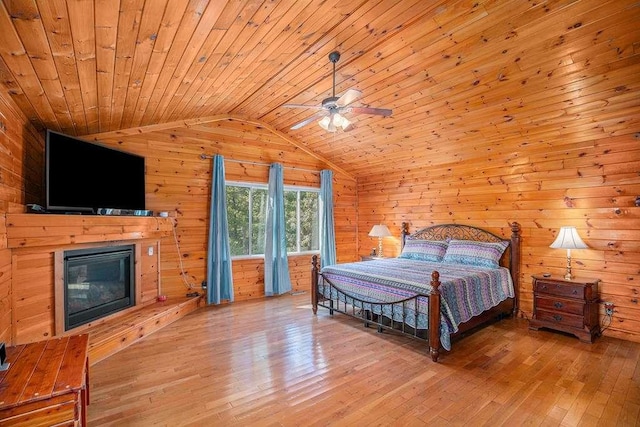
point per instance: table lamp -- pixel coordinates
(568, 239)
(380, 231)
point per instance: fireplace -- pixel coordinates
(97, 282)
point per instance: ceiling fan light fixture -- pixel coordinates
(334, 122)
(324, 123)
(341, 121)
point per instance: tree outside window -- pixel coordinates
(247, 215)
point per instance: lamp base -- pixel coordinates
(568, 276)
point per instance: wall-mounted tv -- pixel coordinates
(84, 177)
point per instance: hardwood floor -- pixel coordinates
(273, 362)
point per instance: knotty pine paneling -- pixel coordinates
(149, 267)
(5, 293)
(588, 184)
(21, 155)
(179, 182)
(33, 296)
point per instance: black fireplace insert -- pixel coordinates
(97, 282)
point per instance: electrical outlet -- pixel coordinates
(608, 308)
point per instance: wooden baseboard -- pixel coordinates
(114, 335)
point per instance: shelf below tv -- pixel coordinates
(124, 212)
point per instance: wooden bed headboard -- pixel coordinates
(510, 258)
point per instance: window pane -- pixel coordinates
(259, 199)
(247, 214)
(238, 218)
(291, 220)
(309, 218)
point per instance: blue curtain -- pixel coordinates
(276, 263)
(219, 277)
(327, 229)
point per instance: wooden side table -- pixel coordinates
(47, 383)
(566, 305)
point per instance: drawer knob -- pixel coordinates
(557, 317)
(558, 304)
(543, 287)
(575, 292)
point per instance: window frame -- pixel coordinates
(298, 189)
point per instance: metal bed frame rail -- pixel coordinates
(391, 315)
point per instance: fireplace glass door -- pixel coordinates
(98, 282)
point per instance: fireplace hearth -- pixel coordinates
(97, 282)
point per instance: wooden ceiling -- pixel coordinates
(464, 78)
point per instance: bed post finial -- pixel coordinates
(404, 232)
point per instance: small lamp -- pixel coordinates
(568, 239)
(380, 231)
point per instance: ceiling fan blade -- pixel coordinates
(314, 107)
(308, 120)
(348, 97)
(365, 110)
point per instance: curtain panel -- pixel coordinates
(276, 262)
(219, 277)
(327, 228)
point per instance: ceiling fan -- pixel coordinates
(332, 110)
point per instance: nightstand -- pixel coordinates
(369, 257)
(566, 305)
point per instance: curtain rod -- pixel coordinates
(205, 156)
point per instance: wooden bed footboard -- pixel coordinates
(329, 296)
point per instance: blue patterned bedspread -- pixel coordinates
(466, 290)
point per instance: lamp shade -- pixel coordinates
(568, 238)
(379, 230)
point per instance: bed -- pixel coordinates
(447, 280)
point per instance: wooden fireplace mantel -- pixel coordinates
(41, 230)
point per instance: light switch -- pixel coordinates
(150, 251)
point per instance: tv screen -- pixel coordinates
(81, 176)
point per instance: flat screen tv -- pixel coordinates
(84, 177)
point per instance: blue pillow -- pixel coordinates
(481, 254)
(424, 250)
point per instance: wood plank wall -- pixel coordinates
(21, 154)
(590, 184)
(179, 182)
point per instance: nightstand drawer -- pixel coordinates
(560, 289)
(558, 318)
(560, 305)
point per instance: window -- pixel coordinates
(247, 216)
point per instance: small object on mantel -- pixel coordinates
(193, 294)
(162, 298)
